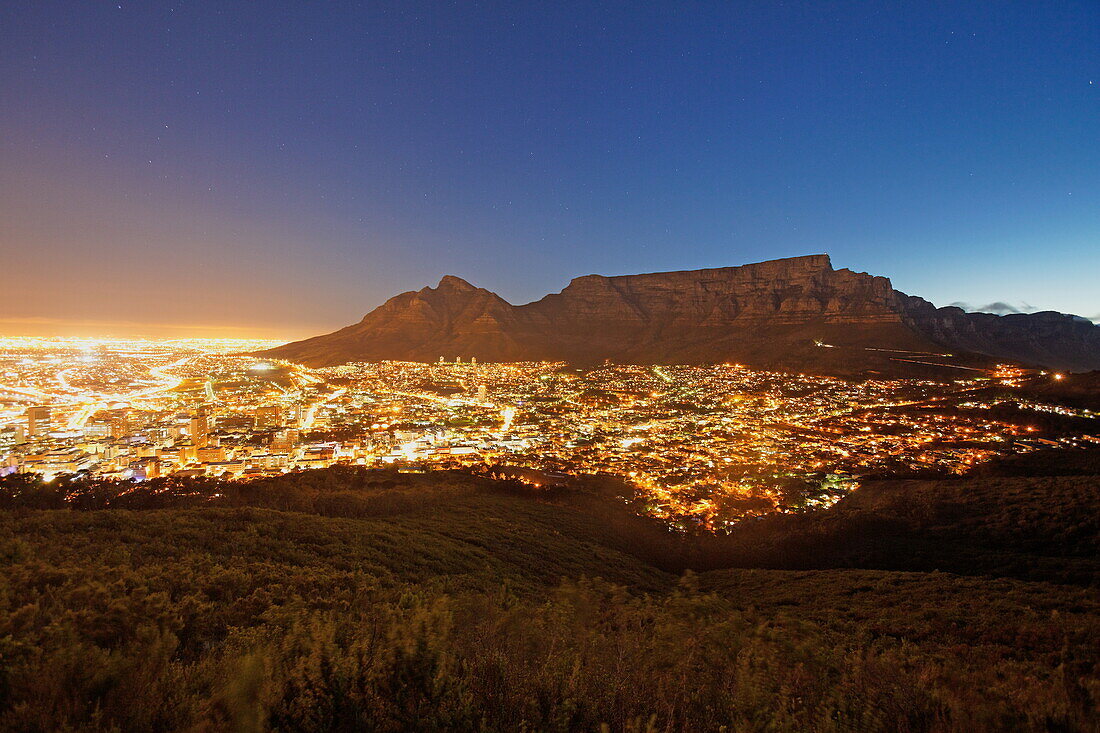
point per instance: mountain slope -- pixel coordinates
(473, 606)
(768, 314)
(1047, 339)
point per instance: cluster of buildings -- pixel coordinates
(711, 444)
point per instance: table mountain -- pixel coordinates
(796, 313)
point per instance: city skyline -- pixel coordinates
(275, 172)
(707, 445)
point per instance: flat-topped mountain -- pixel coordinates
(795, 313)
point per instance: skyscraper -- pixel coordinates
(269, 416)
(38, 420)
(120, 424)
(200, 428)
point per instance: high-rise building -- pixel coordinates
(284, 440)
(200, 428)
(10, 437)
(38, 420)
(294, 414)
(269, 416)
(482, 393)
(120, 424)
(208, 389)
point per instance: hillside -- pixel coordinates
(417, 602)
(774, 314)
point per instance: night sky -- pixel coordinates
(280, 169)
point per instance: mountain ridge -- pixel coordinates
(772, 314)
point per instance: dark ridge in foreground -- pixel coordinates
(776, 314)
(355, 599)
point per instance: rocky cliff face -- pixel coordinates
(769, 314)
(1054, 340)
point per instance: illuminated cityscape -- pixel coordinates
(648, 367)
(706, 445)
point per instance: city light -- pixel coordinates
(709, 444)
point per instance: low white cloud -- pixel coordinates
(1000, 307)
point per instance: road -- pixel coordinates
(310, 416)
(88, 408)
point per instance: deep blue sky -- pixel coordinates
(291, 165)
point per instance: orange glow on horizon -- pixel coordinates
(55, 328)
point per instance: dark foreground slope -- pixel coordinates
(447, 602)
(773, 314)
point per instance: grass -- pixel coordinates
(402, 602)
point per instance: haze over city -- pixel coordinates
(274, 172)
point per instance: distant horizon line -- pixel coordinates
(62, 328)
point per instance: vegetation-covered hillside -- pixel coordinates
(364, 600)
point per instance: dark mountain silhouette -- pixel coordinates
(782, 314)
